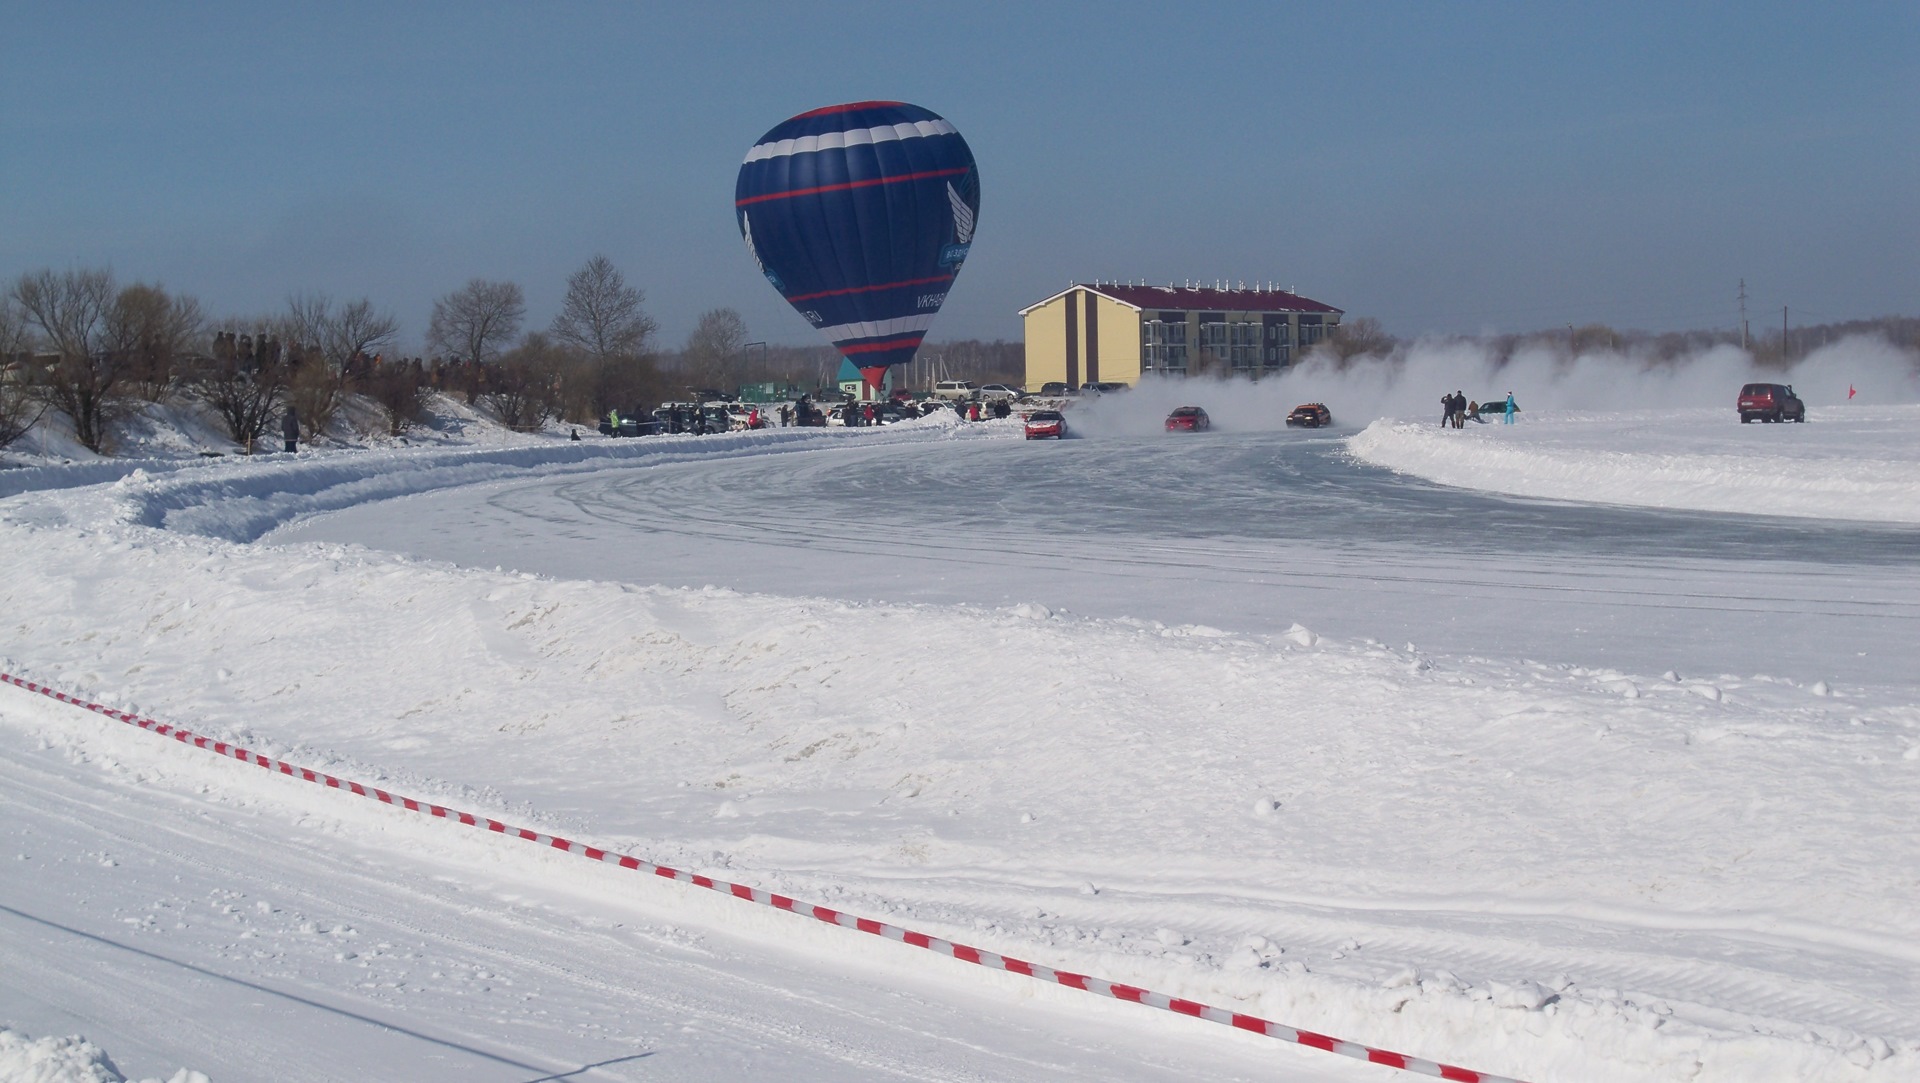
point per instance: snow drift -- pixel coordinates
(1536, 869)
(1844, 463)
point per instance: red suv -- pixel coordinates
(1770, 402)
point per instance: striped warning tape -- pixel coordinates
(961, 952)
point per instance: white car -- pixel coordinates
(999, 391)
(954, 389)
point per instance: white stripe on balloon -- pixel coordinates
(885, 133)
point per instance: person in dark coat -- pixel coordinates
(290, 428)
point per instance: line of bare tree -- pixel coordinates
(77, 343)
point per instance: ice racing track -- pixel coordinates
(1250, 532)
(397, 952)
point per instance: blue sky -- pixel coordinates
(1443, 167)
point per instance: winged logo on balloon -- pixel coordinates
(861, 215)
(962, 217)
(746, 230)
(955, 254)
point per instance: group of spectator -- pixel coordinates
(1456, 410)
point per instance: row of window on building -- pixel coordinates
(1245, 346)
(1119, 332)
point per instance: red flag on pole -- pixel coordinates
(1849, 392)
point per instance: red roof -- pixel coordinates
(1212, 300)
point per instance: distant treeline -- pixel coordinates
(78, 344)
(84, 347)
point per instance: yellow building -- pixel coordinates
(1114, 333)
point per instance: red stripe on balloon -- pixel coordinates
(903, 283)
(869, 183)
(877, 347)
(829, 110)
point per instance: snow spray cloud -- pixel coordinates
(1409, 383)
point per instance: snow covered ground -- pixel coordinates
(1844, 463)
(1637, 806)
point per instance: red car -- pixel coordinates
(1044, 423)
(1770, 402)
(1311, 415)
(1188, 419)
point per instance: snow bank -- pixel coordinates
(1296, 825)
(1860, 463)
(66, 1060)
(1544, 870)
(241, 499)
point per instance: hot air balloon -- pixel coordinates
(861, 215)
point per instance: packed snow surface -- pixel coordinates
(1843, 463)
(1637, 806)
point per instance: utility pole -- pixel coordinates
(1743, 313)
(1783, 332)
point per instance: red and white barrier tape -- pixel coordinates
(948, 948)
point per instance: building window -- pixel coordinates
(1213, 338)
(1163, 345)
(1279, 350)
(1243, 347)
(1311, 330)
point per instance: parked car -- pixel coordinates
(954, 389)
(1103, 387)
(1493, 407)
(1770, 402)
(1044, 423)
(1188, 419)
(1055, 389)
(1310, 415)
(999, 391)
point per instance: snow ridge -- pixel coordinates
(1843, 463)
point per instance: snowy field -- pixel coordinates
(1844, 463)
(1558, 790)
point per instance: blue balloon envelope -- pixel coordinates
(861, 215)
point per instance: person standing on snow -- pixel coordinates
(1511, 408)
(290, 428)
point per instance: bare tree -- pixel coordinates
(713, 349)
(20, 408)
(148, 331)
(1362, 336)
(626, 383)
(526, 385)
(70, 310)
(603, 317)
(476, 321)
(15, 338)
(246, 395)
(353, 330)
(344, 339)
(401, 391)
